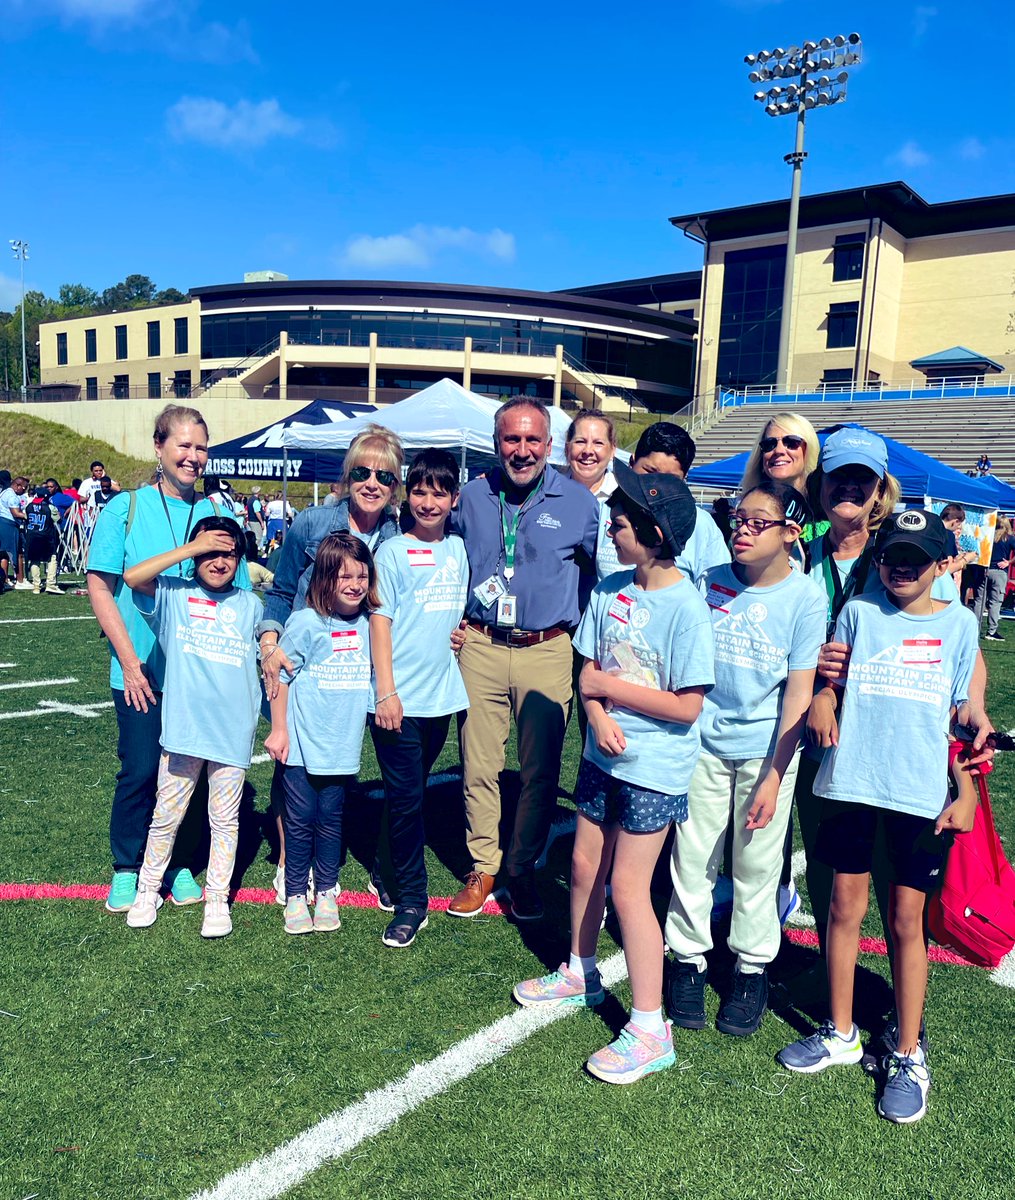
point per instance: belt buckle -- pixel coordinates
(518, 637)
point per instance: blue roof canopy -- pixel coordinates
(957, 356)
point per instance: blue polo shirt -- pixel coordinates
(558, 527)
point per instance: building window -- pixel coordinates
(61, 349)
(154, 385)
(154, 339)
(182, 336)
(91, 354)
(847, 257)
(121, 341)
(842, 320)
(121, 386)
(751, 316)
(181, 384)
(91, 385)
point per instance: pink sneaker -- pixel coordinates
(561, 988)
(633, 1055)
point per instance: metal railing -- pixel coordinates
(611, 390)
(882, 390)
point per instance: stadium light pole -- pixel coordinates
(800, 64)
(20, 249)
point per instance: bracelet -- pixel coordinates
(387, 697)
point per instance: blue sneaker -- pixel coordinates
(826, 1048)
(184, 889)
(122, 891)
(904, 1099)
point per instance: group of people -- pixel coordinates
(693, 664)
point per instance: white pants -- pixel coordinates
(720, 796)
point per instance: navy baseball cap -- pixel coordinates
(915, 527)
(665, 498)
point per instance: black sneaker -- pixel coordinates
(404, 926)
(376, 888)
(525, 902)
(744, 1007)
(994, 637)
(685, 995)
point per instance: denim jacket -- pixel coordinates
(288, 594)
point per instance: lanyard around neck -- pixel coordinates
(837, 592)
(509, 527)
(172, 531)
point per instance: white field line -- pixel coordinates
(48, 708)
(35, 683)
(41, 620)
(346, 1129)
(7, 666)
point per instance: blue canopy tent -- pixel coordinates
(260, 455)
(921, 477)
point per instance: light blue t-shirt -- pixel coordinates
(328, 690)
(661, 639)
(113, 549)
(211, 696)
(704, 549)
(10, 499)
(905, 673)
(423, 586)
(761, 634)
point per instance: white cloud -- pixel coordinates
(419, 246)
(910, 155)
(922, 16)
(972, 148)
(243, 125)
(10, 293)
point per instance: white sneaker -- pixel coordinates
(53, 590)
(279, 885)
(23, 586)
(217, 921)
(144, 910)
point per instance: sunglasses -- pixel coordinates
(903, 558)
(790, 441)
(362, 474)
(755, 525)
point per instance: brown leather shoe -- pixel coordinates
(470, 900)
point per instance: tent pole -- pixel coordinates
(316, 500)
(285, 480)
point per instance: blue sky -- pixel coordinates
(532, 146)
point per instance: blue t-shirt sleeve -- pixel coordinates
(692, 657)
(809, 634)
(969, 648)
(294, 645)
(388, 583)
(109, 539)
(586, 640)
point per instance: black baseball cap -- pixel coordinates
(665, 498)
(915, 527)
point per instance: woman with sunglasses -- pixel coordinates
(787, 452)
(371, 489)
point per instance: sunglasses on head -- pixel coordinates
(790, 441)
(362, 474)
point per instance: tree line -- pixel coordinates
(73, 300)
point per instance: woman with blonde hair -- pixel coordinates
(993, 584)
(787, 451)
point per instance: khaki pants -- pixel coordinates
(533, 684)
(720, 796)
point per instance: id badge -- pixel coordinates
(490, 590)
(506, 616)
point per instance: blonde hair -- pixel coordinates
(889, 494)
(378, 443)
(175, 414)
(791, 423)
(1002, 528)
(590, 414)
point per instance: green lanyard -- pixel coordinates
(509, 530)
(855, 581)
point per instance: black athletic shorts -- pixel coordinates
(916, 855)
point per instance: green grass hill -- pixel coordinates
(36, 448)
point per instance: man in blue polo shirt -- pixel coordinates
(528, 533)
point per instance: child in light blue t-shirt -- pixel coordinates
(210, 705)
(768, 621)
(648, 646)
(422, 580)
(885, 775)
(317, 722)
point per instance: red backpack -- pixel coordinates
(974, 912)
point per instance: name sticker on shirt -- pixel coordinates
(344, 639)
(921, 652)
(201, 609)
(719, 597)
(423, 557)
(620, 609)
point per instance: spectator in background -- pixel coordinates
(983, 465)
(962, 547)
(60, 500)
(99, 498)
(256, 523)
(91, 484)
(12, 520)
(333, 496)
(42, 541)
(994, 583)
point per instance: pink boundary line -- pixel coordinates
(98, 891)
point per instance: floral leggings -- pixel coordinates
(178, 776)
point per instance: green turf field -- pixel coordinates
(152, 1064)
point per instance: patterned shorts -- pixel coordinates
(609, 801)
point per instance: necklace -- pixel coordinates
(169, 521)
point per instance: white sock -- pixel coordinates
(917, 1056)
(651, 1022)
(848, 1035)
(582, 966)
(750, 968)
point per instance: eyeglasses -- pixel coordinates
(755, 525)
(362, 474)
(790, 441)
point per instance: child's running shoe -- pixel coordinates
(122, 891)
(874, 1060)
(278, 883)
(184, 889)
(635, 1054)
(297, 916)
(326, 918)
(559, 989)
(145, 909)
(403, 927)
(826, 1048)
(904, 1098)
(217, 921)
